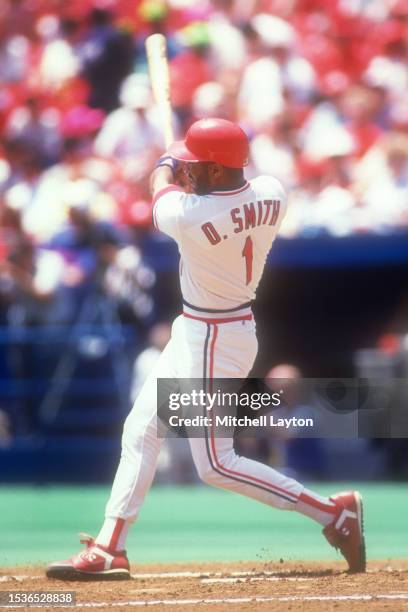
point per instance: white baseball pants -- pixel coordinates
(200, 347)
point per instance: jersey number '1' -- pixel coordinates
(248, 253)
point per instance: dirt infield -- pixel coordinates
(232, 587)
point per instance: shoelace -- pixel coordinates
(89, 541)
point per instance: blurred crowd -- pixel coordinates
(319, 86)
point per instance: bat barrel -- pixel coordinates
(156, 49)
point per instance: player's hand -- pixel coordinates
(179, 170)
(183, 178)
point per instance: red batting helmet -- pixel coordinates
(213, 140)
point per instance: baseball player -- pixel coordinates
(224, 230)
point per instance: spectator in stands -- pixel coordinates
(30, 280)
(361, 108)
(81, 237)
(302, 199)
(36, 130)
(66, 180)
(106, 56)
(383, 177)
(126, 279)
(158, 337)
(211, 99)
(133, 129)
(273, 150)
(261, 95)
(14, 55)
(30, 289)
(21, 185)
(189, 69)
(303, 456)
(59, 61)
(387, 69)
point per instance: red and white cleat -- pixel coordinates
(346, 532)
(94, 563)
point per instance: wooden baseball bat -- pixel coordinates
(156, 49)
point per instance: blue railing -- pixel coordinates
(57, 372)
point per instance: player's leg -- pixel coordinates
(104, 557)
(228, 351)
(141, 446)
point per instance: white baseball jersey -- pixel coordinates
(223, 239)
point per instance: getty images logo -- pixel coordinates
(209, 400)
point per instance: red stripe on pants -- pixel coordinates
(218, 464)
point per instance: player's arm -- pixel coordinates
(167, 196)
(163, 176)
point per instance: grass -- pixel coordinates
(193, 523)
